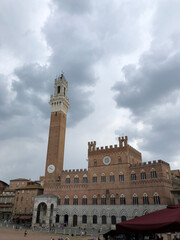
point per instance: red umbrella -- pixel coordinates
(165, 220)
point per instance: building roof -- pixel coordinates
(20, 179)
(4, 183)
(30, 187)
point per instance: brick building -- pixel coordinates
(7, 198)
(24, 201)
(117, 185)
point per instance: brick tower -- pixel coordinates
(55, 153)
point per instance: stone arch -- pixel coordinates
(145, 212)
(66, 211)
(135, 213)
(41, 213)
(84, 212)
(103, 212)
(94, 212)
(123, 213)
(113, 213)
(74, 212)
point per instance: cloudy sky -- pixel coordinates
(122, 63)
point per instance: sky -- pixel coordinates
(122, 63)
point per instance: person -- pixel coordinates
(25, 233)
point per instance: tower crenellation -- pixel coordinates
(59, 101)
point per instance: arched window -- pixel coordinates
(135, 199)
(66, 200)
(94, 219)
(68, 179)
(111, 177)
(103, 178)
(113, 220)
(121, 177)
(94, 200)
(76, 179)
(123, 218)
(85, 179)
(122, 199)
(156, 199)
(103, 200)
(84, 200)
(143, 175)
(104, 219)
(84, 219)
(75, 200)
(133, 176)
(94, 179)
(145, 199)
(112, 200)
(119, 160)
(153, 173)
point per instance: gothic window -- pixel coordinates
(135, 199)
(133, 176)
(104, 221)
(68, 180)
(112, 200)
(143, 175)
(122, 199)
(76, 179)
(75, 200)
(121, 177)
(103, 200)
(94, 200)
(113, 220)
(111, 178)
(119, 160)
(153, 173)
(84, 200)
(84, 219)
(156, 199)
(85, 180)
(94, 179)
(145, 199)
(66, 200)
(103, 178)
(94, 219)
(95, 163)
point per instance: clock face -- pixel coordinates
(106, 160)
(51, 168)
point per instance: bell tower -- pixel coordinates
(59, 104)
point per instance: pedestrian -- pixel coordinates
(25, 233)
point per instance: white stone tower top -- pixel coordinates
(59, 102)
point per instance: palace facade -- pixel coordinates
(117, 185)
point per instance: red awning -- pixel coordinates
(165, 220)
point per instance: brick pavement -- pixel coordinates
(12, 234)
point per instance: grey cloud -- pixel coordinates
(74, 7)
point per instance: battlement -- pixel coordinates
(75, 171)
(149, 163)
(123, 143)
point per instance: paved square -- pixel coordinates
(12, 234)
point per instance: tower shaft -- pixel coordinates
(55, 153)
